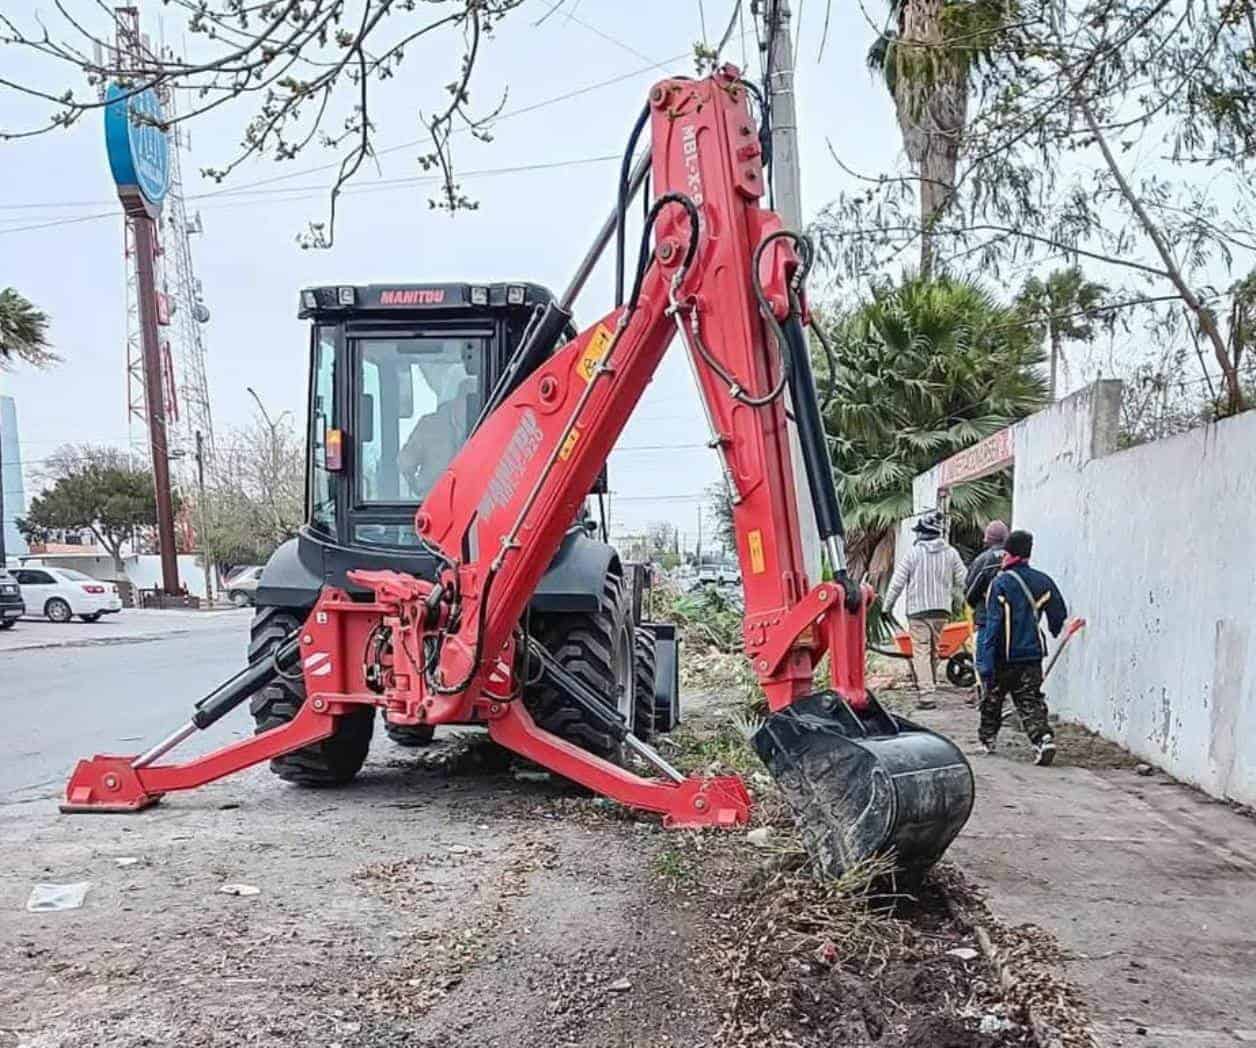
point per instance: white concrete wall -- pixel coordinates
(142, 570)
(1161, 559)
(145, 572)
(1156, 547)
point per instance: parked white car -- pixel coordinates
(62, 593)
(241, 587)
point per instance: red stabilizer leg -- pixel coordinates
(107, 785)
(110, 784)
(693, 803)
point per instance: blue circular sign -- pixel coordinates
(139, 153)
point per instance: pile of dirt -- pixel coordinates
(854, 962)
(808, 963)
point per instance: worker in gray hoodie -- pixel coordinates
(932, 573)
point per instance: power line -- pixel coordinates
(696, 497)
(294, 194)
(508, 114)
(571, 17)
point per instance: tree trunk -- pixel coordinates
(1204, 316)
(931, 103)
(1055, 363)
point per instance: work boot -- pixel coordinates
(1044, 750)
(987, 746)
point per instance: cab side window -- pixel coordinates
(321, 495)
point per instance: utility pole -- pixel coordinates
(200, 484)
(787, 201)
(786, 181)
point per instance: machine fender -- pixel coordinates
(666, 675)
(576, 576)
(288, 581)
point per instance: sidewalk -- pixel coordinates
(1149, 885)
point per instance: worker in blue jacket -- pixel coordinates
(1011, 647)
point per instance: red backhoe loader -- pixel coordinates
(456, 648)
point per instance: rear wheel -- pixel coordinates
(58, 610)
(239, 598)
(644, 671)
(598, 647)
(336, 759)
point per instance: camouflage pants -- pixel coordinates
(1023, 682)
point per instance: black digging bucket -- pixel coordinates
(866, 783)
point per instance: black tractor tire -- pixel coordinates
(410, 735)
(591, 645)
(644, 669)
(336, 759)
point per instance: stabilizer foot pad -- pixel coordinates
(106, 785)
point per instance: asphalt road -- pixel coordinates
(121, 695)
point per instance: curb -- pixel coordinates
(95, 642)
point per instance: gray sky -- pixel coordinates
(533, 225)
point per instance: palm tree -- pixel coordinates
(922, 370)
(23, 331)
(1066, 307)
(23, 336)
(927, 54)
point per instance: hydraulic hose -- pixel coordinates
(621, 213)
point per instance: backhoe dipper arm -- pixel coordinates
(719, 265)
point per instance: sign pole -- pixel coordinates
(145, 247)
(139, 160)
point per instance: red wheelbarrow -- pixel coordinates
(954, 646)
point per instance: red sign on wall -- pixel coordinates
(988, 456)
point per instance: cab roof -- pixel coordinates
(340, 299)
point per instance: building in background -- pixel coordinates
(14, 500)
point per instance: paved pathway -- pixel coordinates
(1149, 885)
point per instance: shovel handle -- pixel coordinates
(1070, 627)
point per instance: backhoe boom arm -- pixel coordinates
(720, 273)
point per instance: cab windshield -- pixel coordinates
(417, 401)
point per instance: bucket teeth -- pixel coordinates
(864, 785)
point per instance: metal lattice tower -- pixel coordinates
(181, 308)
(189, 314)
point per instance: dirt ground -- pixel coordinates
(423, 907)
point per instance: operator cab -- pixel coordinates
(400, 373)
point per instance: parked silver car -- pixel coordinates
(241, 586)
